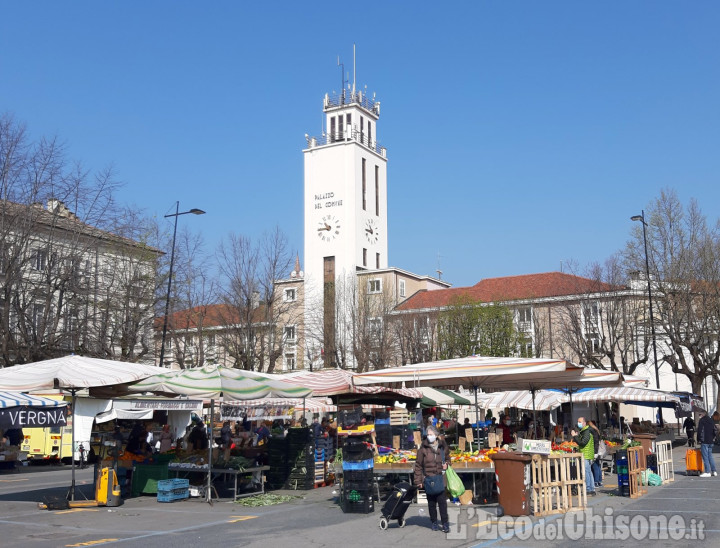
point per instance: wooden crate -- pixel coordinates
(547, 487)
(636, 466)
(399, 418)
(572, 474)
(666, 469)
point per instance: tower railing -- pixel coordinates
(349, 134)
(349, 98)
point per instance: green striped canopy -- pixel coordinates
(215, 381)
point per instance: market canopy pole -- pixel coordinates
(208, 496)
(71, 492)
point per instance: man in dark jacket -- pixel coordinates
(432, 459)
(706, 437)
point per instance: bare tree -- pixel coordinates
(56, 241)
(684, 257)
(260, 324)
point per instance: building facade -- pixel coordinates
(68, 287)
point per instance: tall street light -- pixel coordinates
(641, 218)
(172, 262)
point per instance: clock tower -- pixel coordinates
(345, 209)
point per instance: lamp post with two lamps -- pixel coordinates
(641, 218)
(170, 274)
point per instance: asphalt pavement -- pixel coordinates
(675, 514)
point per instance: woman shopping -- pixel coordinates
(432, 461)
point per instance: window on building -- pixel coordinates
(289, 333)
(377, 260)
(591, 312)
(401, 288)
(341, 132)
(290, 362)
(375, 328)
(348, 123)
(364, 187)
(593, 343)
(365, 257)
(369, 133)
(332, 129)
(524, 315)
(40, 260)
(38, 311)
(362, 129)
(375, 286)
(290, 295)
(377, 191)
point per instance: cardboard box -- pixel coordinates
(540, 447)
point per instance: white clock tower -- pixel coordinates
(345, 204)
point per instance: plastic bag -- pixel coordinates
(454, 484)
(654, 479)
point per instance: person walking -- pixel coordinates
(689, 426)
(706, 437)
(584, 439)
(432, 459)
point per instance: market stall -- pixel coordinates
(72, 374)
(219, 383)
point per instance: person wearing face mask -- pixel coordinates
(507, 431)
(586, 443)
(432, 459)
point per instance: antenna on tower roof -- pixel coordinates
(342, 79)
(439, 272)
(354, 73)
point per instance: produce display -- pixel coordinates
(630, 443)
(564, 447)
(397, 456)
(482, 455)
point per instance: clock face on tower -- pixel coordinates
(328, 228)
(371, 231)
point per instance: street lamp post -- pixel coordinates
(170, 274)
(641, 218)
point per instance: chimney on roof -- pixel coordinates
(60, 209)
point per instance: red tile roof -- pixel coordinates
(211, 315)
(509, 288)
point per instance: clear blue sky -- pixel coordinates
(519, 134)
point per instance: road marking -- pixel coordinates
(240, 518)
(74, 510)
(92, 542)
(12, 480)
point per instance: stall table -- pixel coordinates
(224, 473)
(402, 468)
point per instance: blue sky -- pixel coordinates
(520, 134)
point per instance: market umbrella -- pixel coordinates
(73, 373)
(18, 410)
(218, 382)
(479, 372)
(439, 397)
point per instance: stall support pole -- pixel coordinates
(71, 493)
(208, 497)
(477, 418)
(532, 392)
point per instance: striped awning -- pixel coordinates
(479, 371)
(18, 399)
(335, 382)
(214, 381)
(624, 394)
(545, 400)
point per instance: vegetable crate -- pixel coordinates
(636, 466)
(666, 468)
(399, 418)
(171, 490)
(572, 475)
